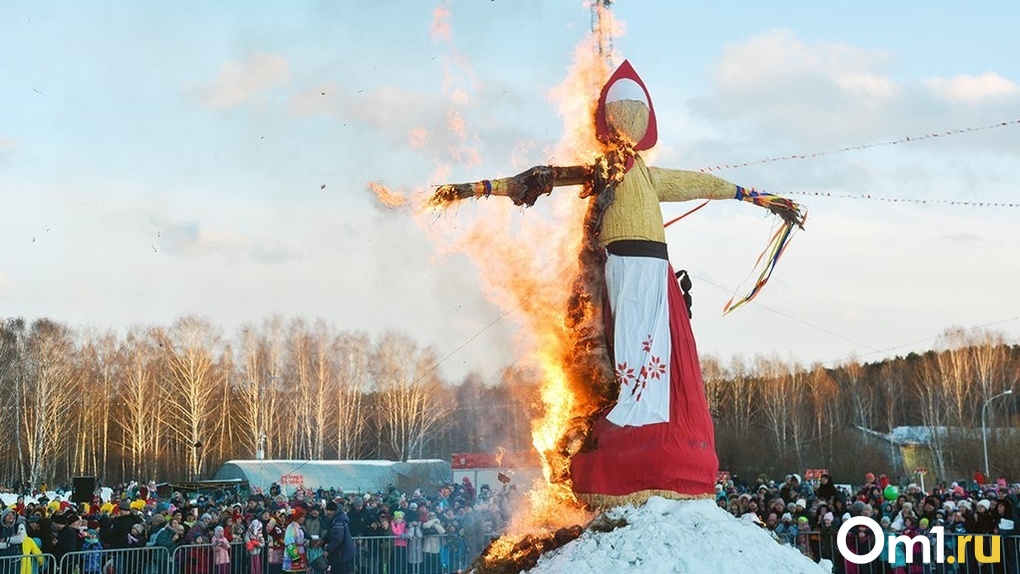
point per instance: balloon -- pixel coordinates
(891, 492)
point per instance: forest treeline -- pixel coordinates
(174, 402)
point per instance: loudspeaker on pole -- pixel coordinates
(84, 487)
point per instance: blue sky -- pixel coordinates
(160, 159)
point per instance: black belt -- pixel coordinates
(638, 248)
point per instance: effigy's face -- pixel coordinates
(624, 115)
(627, 119)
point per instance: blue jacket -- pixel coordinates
(339, 542)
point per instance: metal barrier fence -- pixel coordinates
(976, 557)
(141, 560)
(33, 563)
(434, 554)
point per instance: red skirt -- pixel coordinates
(677, 456)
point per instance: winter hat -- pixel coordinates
(984, 502)
(801, 503)
(90, 533)
(398, 515)
(158, 520)
(923, 523)
(869, 477)
(802, 520)
(828, 517)
(218, 531)
(787, 517)
(846, 516)
(331, 506)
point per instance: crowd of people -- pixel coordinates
(808, 515)
(393, 532)
(226, 533)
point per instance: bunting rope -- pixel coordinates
(907, 139)
(869, 197)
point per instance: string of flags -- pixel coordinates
(907, 139)
(868, 196)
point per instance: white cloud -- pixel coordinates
(192, 240)
(987, 87)
(244, 80)
(774, 58)
(817, 94)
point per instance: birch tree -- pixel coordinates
(50, 396)
(408, 388)
(12, 375)
(194, 374)
(352, 380)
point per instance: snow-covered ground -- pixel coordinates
(9, 498)
(684, 537)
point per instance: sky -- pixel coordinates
(165, 159)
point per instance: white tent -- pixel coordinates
(346, 475)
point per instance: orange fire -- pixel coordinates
(528, 263)
(386, 196)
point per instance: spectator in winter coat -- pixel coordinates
(433, 531)
(339, 547)
(360, 517)
(787, 529)
(12, 535)
(274, 545)
(253, 543)
(414, 541)
(826, 490)
(982, 521)
(66, 538)
(398, 528)
(92, 562)
(33, 559)
(295, 556)
(220, 551)
(200, 528)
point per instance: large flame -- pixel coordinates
(528, 264)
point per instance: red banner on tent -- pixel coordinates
(814, 473)
(293, 479)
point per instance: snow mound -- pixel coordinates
(680, 537)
